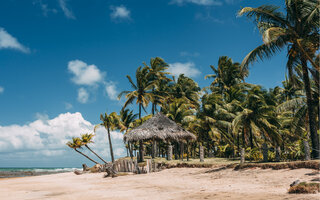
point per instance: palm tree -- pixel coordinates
(179, 111)
(141, 94)
(109, 122)
(226, 75)
(298, 29)
(87, 139)
(141, 90)
(157, 75)
(76, 144)
(257, 119)
(184, 88)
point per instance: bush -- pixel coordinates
(253, 154)
(305, 188)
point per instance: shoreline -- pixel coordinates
(174, 183)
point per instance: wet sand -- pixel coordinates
(176, 183)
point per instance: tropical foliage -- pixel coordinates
(231, 115)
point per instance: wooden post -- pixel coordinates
(154, 148)
(265, 152)
(278, 154)
(141, 151)
(242, 155)
(201, 153)
(187, 150)
(169, 151)
(181, 150)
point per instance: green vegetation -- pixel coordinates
(230, 115)
(305, 188)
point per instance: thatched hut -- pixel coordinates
(159, 127)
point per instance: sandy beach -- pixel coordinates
(176, 183)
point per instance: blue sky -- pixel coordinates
(62, 62)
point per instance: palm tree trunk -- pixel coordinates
(95, 153)
(86, 156)
(251, 139)
(154, 148)
(110, 145)
(201, 153)
(181, 150)
(311, 110)
(140, 111)
(141, 153)
(187, 150)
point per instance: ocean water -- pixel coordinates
(21, 172)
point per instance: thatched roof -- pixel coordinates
(158, 127)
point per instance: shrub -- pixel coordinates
(305, 188)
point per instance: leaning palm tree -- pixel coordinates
(76, 144)
(87, 139)
(109, 122)
(297, 29)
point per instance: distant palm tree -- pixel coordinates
(226, 75)
(297, 29)
(110, 122)
(76, 144)
(184, 88)
(87, 139)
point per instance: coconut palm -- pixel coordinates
(141, 90)
(257, 119)
(76, 144)
(141, 94)
(226, 75)
(297, 29)
(110, 122)
(184, 88)
(179, 111)
(157, 75)
(86, 139)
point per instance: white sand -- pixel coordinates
(177, 183)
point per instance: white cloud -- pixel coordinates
(120, 12)
(68, 106)
(187, 69)
(44, 7)
(49, 137)
(198, 2)
(42, 116)
(67, 12)
(7, 41)
(1, 90)
(112, 91)
(83, 95)
(85, 74)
